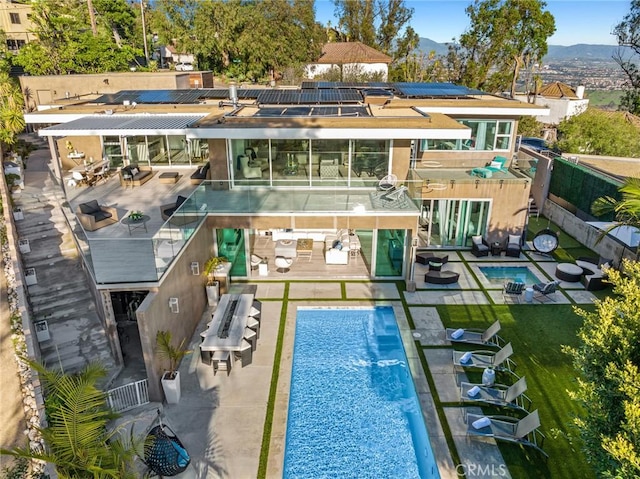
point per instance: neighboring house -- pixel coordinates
(16, 23)
(350, 58)
(283, 165)
(562, 100)
(172, 57)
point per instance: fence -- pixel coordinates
(128, 396)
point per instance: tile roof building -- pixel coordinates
(351, 58)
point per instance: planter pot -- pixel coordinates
(213, 293)
(30, 277)
(171, 388)
(17, 214)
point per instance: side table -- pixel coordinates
(496, 249)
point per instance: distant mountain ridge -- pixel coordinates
(580, 51)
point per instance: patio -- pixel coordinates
(225, 437)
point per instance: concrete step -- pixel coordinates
(67, 292)
(41, 291)
(63, 304)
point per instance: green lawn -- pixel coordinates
(605, 98)
(537, 334)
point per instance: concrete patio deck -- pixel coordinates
(221, 418)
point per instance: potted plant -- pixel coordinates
(171, 378)
(214, 263)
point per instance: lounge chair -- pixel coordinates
(497, 164)
(513, 246)
(479, 246)
(498, 360)
(93, 216)
(513, 289)
(488, 337)
(504, 428)
(167, 211)
(545, 290)
(497, 395)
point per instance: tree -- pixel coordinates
(625, 210)
(597, 132)
(66, 44)
(504, 36)
(11, 111)
(609, 384)
(529, 126)
(77, 441)
(627, 33)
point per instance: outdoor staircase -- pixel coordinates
(61, 296)
(533, 208)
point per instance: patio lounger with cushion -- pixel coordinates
(167, 211)
(504, 428)
(497, 164)
(545, 290)
(497, 395)
(482, 172)
(488, 337)
(513, 289)
(201, 174)
(479, 246)
(498, 360)
(93, 216)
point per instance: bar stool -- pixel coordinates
(251, 336)
(245, 354)
(219, 358)
(256, 309)
(253, 323)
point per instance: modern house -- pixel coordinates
(562, 100)
(368, 177)
(350, 59)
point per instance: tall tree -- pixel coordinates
(626, 210)
(11, 111)
(66, 44)
(503, 36)
(627, 33)
(596, 132)
(608, 361)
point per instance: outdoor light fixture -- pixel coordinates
(173, 305)
(501, 183)
(477, 183)
(453, 182)
(195, 268)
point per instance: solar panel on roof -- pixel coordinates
(433, 90)
(309, 85)
(270, 111)
(312, 96)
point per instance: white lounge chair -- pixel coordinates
(498, 360)
(504, 428)
(498, 394)
(488, 337)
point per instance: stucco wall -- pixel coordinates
(154, 314)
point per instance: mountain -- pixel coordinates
(581, 51)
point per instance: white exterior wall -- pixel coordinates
(559, 108)
(315, 69)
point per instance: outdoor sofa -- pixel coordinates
(135, 175)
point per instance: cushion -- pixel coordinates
(101, 215)
(496, 164)
(135, 171)
(337, 245)
(90, 207)
(180, 200)
(476, 240)
(514, 239)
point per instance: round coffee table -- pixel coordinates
(134, 224)
(569, 272)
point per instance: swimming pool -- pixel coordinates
(502, 274)
(353, 408)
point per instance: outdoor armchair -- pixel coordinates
(487, 337)
(504, 428)
(93, 216)
(166, 211)
(479, 246)
(497, 395)
(513, 246)
(498, 360)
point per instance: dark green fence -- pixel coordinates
(581, 186)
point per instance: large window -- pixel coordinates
(15, 18)
(302, 162)
(486, 135)
(453, 222)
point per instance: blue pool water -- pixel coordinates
(353, 408)
(502, 274)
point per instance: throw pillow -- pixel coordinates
(135, 171)
(476, 240)
(337, 245)
(514, 239)
(90, 207)
(496, 164)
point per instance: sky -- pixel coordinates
(585, 21)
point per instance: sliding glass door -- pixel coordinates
(452, 222)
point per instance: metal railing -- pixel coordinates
(128, 396)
